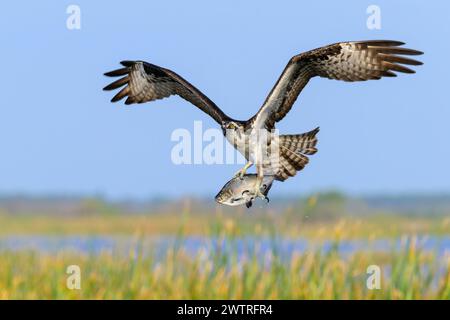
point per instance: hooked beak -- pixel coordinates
(232, 126)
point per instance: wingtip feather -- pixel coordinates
(117, 84)
(127, 63)
(129, 101)
(117, 72)
(122, 93)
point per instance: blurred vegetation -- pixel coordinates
(229, 272)
(410, 273)
(316, 216)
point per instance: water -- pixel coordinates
(158, 246)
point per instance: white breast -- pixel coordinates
(239, 141)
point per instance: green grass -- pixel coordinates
(311, 275)
(410, 272)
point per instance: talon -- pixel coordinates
(259, 194)
(264, 197)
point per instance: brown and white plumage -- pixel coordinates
(146, 82)
(294, 149)
(291, 156)
(301, 143)
(346, 61)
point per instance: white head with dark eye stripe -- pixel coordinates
(233, 129)
(232, 125)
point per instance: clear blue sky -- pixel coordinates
(59, 134)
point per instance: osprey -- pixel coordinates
(347, 61)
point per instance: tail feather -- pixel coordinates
(290, 163)
(304, 143)
(293, 151)
(297, 160)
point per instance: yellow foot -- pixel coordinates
(240, 174)
(259, 193)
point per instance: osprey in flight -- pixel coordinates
(347, 61)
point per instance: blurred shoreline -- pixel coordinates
(421, 204)
(312, 247)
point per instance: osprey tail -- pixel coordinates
(293, 151)
(300, 143)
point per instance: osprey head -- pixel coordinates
(232, 125)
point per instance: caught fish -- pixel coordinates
(239, 191)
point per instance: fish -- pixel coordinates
(240, 190)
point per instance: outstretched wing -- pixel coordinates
(347, 61)
(147, 82)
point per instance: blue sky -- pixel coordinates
(59, 134)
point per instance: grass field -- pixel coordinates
(241, 269)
